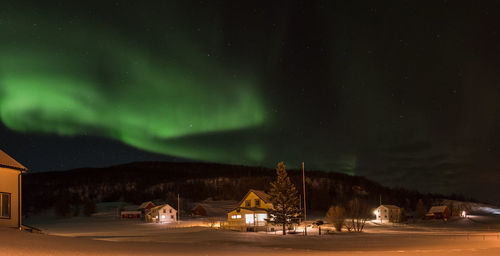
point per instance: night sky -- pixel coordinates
(406, 93)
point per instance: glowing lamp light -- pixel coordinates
(463, 214)
(163, 216)
(375, 212)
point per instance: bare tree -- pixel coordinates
(358, 214)
(336, 215)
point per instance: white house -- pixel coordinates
(163, 214)
(10, 191)
(387, 213)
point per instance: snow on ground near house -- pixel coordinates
(104, 234)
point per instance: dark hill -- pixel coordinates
(144, 181)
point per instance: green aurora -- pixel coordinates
(57, 80)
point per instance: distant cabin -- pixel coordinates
(162, 214)
(213, 208)
(131, 214)
(10, 191)
(146, 207)
(439, 212)
(387, 213)
(252, 212)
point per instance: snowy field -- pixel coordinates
(104, 234)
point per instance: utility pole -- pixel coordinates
(178, 208)
(304, 187)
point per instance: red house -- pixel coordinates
(439, 212)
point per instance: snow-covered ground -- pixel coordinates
(104, 234)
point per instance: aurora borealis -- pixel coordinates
(111, 88)
(403, 93)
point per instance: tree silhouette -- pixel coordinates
(285, 199)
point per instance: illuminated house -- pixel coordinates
(252, 212)
(10, 191)
(162, 214)
(387, 213)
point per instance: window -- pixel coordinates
(247, 203)
(171, 216)
(236, 216)
(257, 202)
(164, 211)
(249, 219)
(170, 210)
(261, 219)
(4, 205)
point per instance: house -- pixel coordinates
(145, 207)
(162, 214)
(251, 213)
(439, 212)
(10, 191)
(213, 208)
(387, 213)
(131, 214)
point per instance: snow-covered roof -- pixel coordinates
(440, 208)
(217, 207)
(145, 204)
(389, 206)
(162, 206)
(9, 162)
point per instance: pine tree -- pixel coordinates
(285, 199)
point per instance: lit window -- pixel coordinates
(261, 219)
(163, 216)
(249, 219)
(5, 205)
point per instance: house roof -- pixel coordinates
(389, 206)
(217, 207)
(262, 195)
(145, 204)
(440, 208)
(9, 162)
(250, 209)
(161, 206)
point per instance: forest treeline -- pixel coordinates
(77, 191)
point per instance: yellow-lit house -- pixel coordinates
(251, 213)
(10, 191)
